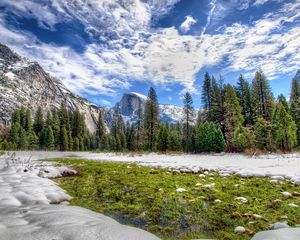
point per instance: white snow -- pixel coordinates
(293, 205)
(27, 213)
(16, 199)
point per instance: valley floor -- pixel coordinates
(24, 196)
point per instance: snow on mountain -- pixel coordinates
(130, 102)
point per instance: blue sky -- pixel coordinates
(103, 48)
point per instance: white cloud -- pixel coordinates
(163, 56)
(188, 22)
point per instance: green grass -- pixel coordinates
(147, 198)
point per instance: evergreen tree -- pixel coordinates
(162, 139)
(284, 128)
(242, 139)
(151, 120)
(263, 138)
(23, 143)
(15, 133)
(217, 105)
(295, 105)
(55, 128)
(49, 138)
(209, 138)
(131, 137)
(28, 121)
(206, 96)
(139, 127)
(16, 117)
(101, 130)
(32, 140)
(244, 94)
(38, 121)
(76, 144)
(281, 99)
(64, 139)
(188, 120)
(262, 96)
(174, 140)
(118, 132)
(233, 115)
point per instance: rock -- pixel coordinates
(240, 229)
(293, 205)
(279, 225)
(202, 175)
(284, 217)
(180, 190)
(242, 199)
(286, 194)
(277, 177)
(218, 201)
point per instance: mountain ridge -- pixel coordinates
(26, 83)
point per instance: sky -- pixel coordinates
(101, 49)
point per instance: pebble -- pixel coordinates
(287, 194)
(240, 229)
(293, 205)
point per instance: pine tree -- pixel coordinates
(262, 96)
(263, 138)
(64, 139)
(295, 105)
(233, 115)
(55, 128)
(101, 130)
(281, 99)
(38, 121)
(284, 128)
(209, 138)
(174, 140)
(76, 144)
(244, 94)
(131, 137)
(32, 140)
(23, 143)
(28, 121)
(162, 139)
(49, 138)
(15, 132)
(206, 96)
(139, 127)
(188, 120)
(16, 117)
(217, 105)
(242, 139)
(151, 120)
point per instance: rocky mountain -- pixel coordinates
(130, 102)
(25, 83)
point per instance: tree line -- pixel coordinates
(233, 119)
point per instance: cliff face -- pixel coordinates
(25, 83)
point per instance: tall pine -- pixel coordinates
(151, 120)
(262, 96)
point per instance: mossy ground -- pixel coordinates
(147, 198)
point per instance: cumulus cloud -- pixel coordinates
(188, 22)
(162, 56)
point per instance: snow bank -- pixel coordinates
(273, 165)
(280, 234)
(27, 213)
